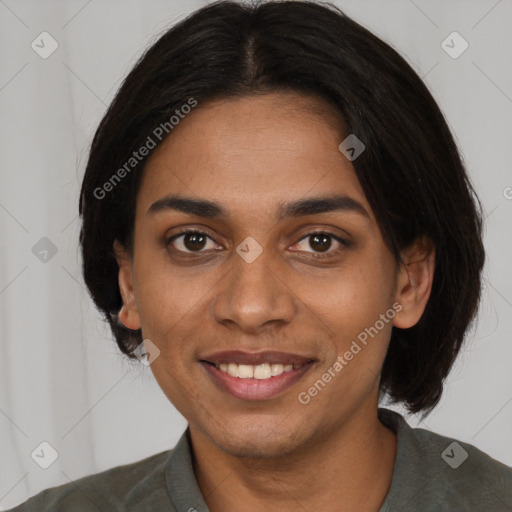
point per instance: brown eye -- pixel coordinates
(190, 241)
(320, 243)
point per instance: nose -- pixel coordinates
(253, 296)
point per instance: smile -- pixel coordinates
(255, 376)
(260, 371)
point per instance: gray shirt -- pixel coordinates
(432, 473)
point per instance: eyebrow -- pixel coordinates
(301, 207)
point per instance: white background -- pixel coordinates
(62, 380)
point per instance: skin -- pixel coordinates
(250, 155)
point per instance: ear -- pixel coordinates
(128, 315)
(414, 282)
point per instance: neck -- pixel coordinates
(344, 470)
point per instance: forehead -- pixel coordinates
(253, 152)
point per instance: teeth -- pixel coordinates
(232, 369)
(276, 369)
(245, 371)
(260, 371)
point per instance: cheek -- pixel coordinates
(357, 307)
(173, 308)
(164, 294)
(356, 296)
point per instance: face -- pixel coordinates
(267, 286)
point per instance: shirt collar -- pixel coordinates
(408, 460)
(186, 494)
(181, 480)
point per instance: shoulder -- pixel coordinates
(461, 458)
(453, 474)
(108, 490)
(463, 474)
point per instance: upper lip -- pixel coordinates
(255, 358)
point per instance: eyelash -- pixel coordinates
(192, 254)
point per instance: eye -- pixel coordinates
(190, 241)
(321, 241)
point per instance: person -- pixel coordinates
(276, 219)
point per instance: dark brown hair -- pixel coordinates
(411, 170)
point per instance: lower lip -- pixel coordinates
(255, 389)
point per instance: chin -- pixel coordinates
(267, 438)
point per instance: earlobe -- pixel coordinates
(128, 314)
(414, 282)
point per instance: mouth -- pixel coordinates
(255, 376)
